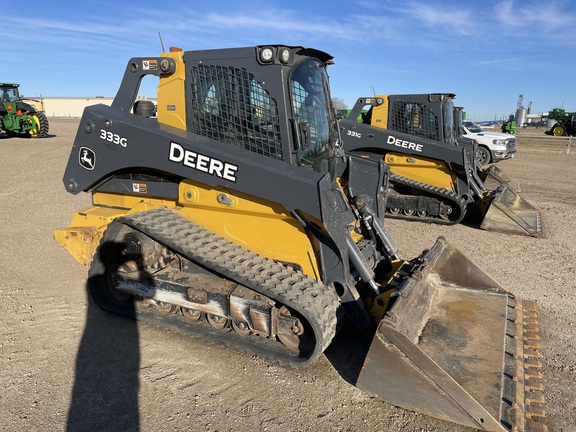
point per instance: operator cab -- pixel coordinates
(10, 92)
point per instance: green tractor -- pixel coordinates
(565, 126)
(18, 118)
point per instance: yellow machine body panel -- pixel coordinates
(260, 226)
(380, 113)
(171, 94)
(430, 171)
(83, 235)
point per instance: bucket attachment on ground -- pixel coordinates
(457, 346)
(493, 177)
(507, 212)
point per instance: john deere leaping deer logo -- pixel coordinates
(87, 158)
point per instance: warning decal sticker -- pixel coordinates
(139, 188)
(149, 64)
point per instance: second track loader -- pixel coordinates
(434, 174)
(235, 216)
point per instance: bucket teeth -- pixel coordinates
(535, 399)
(533, 375)
(535, 412)
(531, 345)
(526, 420)
(532, 364)
(532, 354)
(533, 386)
(532, 426)
(525, 378)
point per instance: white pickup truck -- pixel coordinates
(492, 146)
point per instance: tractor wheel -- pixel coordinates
(482, 156)
(558, 130)
(41, 129)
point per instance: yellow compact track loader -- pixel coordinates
(234, 215)
(435, 176)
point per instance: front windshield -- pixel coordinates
(473, 127)
(314, 116)
(458, 120)
(449, 133)
(10, 94)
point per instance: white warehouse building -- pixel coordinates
(71, 107)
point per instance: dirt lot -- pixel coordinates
(67, 366)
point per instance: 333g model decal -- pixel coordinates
(113, 138)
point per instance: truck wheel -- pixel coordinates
(558, 130)
(482, 156)
(41, 129)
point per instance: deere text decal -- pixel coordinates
(202, 163)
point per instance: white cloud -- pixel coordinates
(457, 19)
(537, 18)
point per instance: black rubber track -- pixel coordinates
(441, 194)
(317, 304)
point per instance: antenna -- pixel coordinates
(373, 91)
(161, 43)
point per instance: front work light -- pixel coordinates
(266, 54)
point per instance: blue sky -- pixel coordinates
(486, 52)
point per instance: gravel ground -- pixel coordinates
(67, 366)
